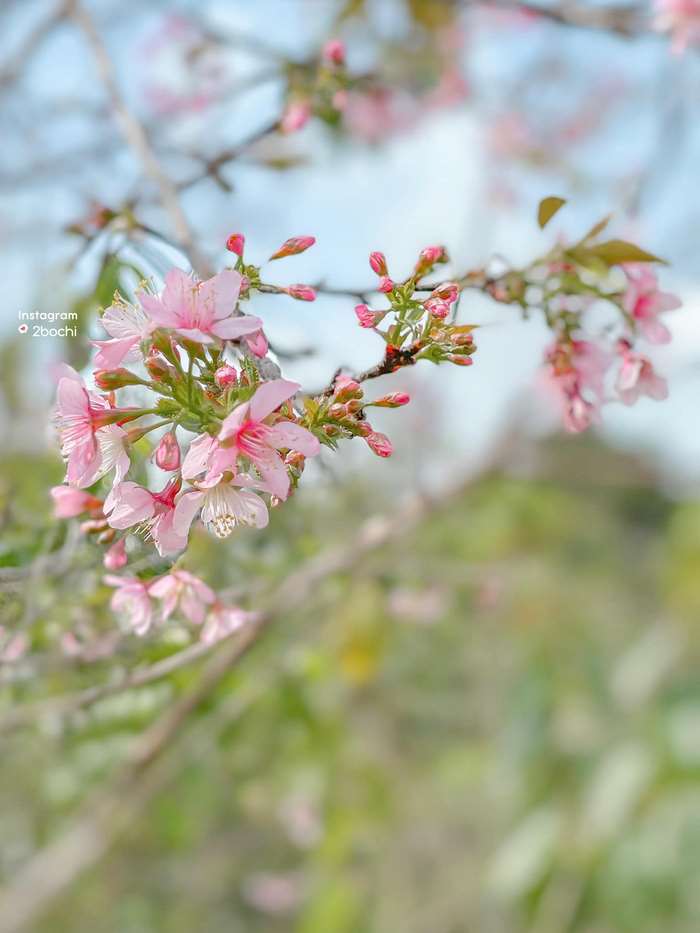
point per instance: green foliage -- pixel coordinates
(493, 725)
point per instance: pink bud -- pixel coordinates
(115, 558)
(257, 343)
(226, 376)
(379, 444)
(365, 316)
(168, 452)
(334, 52)
(432, 254)
(393, 400)
(295, 116)
(448, 291)
(301, 292)
(345, 388)
(378, 264)
(293, 246)
(438, 308)
(69, 502)
(386, 285)
(460, 360)
(111, 379)
(235, 243)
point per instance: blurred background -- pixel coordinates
(493, 722)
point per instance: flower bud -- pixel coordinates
(365, 316)
(460, 360)
(448, 291)
(386, 285)
(69, 502)
(337, 411)
(295, 116)
(461, 339)
(379, 444)
(159, 370)
(334, 52)
(293, 246)
(301, 292)
(116, 558)
(378, 264)
(428, 257)
(226, 376)
(353, 406)
(110, 379)
(168, 452)
(257, 343)
(433, 254)
(438, 308)
(236, 243)
(394, 400)
(346, 388)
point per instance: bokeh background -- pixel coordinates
(491, 724)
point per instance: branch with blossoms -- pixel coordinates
(231, 438)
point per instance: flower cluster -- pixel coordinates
(367, 105)
(204, 408)
(577, 366)
(416, 327)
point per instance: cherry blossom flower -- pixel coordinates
(91, 445)
(200, 311)
(637, 377)
(127, 325)
(129, 504)
(245, 432)
(644, 302)
(183, 589)
(223, 505)
(132, 598)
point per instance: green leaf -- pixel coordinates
(613, 252)
(597, 228)
(548, 208)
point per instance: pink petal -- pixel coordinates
(111, 353)
(197, 459)
(234, 327)
(221, 293)
(186, 508)
(129, 504)
(276, 478)
(167, 539)
(270, 396)
(295, 437)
